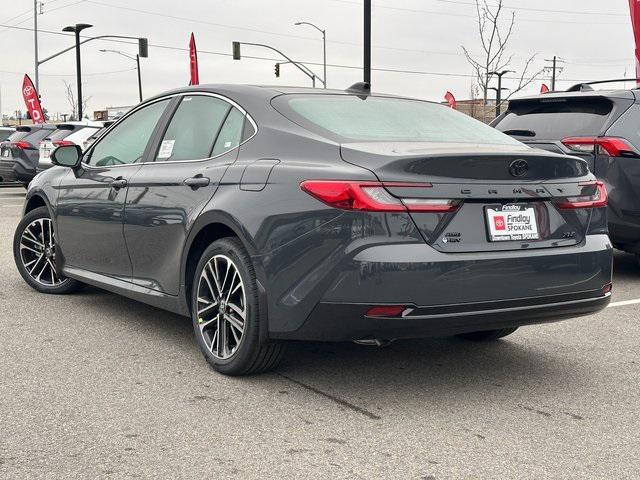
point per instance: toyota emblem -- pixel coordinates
(519, 168)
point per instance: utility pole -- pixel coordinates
(367, 41)
(554, 69)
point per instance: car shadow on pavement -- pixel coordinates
(401, 373)
(625, 266)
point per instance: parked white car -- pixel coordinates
(70, 133)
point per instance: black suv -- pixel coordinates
(599, 126)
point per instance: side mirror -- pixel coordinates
(67, 156)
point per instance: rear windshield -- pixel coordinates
(556, 120)
(59, 134)
(4, 134)
(17, 135)
(36, 136)
(349, 118)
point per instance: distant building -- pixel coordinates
(475, 108)
(111, 113)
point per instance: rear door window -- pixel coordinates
(556, 119)
(193, 129)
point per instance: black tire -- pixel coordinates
(488, 335)
(65, 285)
(251, 356)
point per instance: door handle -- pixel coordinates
(197, 182)
(118, 183)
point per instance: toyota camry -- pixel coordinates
(268, 214)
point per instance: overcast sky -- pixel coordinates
(416, 35)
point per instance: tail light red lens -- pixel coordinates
(21, 145)
(612, 146)
(62, 143)
(386, 311)
(373, 197)
(599, 199)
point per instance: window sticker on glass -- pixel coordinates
(166, 148)
(227, 144)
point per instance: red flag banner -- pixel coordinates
(451, 100)
(193, 61)
(634, 9)
(31, 100)
(544, 88)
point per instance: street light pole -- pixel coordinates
(499, 89)
(35, 44)
(324, 49)
(76, 29)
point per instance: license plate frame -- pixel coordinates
(511, 222)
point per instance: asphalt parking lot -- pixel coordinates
(96, 385)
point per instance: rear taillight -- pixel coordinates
(21, 145)
(62, 143)
(596, 200)
(612, 146)
(374, 197)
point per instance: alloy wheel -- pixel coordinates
(38, 252)
(221, 307)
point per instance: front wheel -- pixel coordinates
(225, 315)
(488, 335)
(34, 251)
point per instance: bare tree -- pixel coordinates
(495, 30)
(71, 99)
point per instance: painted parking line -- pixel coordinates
(624, 303)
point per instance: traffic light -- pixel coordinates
(277, 70)
(143, 47)
(236, 50)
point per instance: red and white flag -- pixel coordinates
(31, 100)
(634, 9)
(544, 88)
(451, 100)
(193, 61)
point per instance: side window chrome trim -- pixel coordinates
(181, 94)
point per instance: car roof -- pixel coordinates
(265, 91)
(622, 94)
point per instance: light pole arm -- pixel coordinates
(311, 25)
(40, 62)
(303, 68)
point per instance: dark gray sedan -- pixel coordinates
(269, 214)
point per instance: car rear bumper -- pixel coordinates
(14, 171)
(456, 293)
(345, 322)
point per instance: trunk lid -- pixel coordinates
(512, 185)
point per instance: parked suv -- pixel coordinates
(70, 133)
(269, 214)
(19, 153)
(600, 126)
